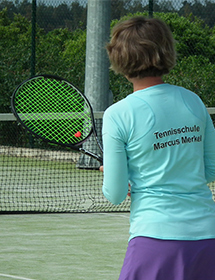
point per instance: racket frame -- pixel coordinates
(69, 145)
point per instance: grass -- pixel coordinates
(63, 246)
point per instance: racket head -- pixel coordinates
(54, 110)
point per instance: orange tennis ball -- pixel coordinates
(78, 134)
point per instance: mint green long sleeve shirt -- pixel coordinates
(161, 140)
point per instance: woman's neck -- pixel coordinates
(146, 82)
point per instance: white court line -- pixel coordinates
(115, 214)
(14, 277)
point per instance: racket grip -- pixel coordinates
(83, 151)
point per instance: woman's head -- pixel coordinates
(141, 47)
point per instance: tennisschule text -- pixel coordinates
(184, 139)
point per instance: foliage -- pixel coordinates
(62, 52)
(74, 15)
(192, 36)
(15, 53)
(59, 52)
(61, 49)
(50, 17)
(195, 66)
(195, 73)
(74, 56)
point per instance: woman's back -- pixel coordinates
(166, 134)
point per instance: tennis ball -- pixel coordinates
(78, 134)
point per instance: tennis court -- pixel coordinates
(55, 223)
(80, 236)
(63, 246)
(72, 245)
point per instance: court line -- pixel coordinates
(115, 214)
(15, 277)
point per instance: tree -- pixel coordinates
(45, 18)
(196, 58)
(62, 52)
(15, 53)
(11, 8)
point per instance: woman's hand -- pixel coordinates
(101, 168)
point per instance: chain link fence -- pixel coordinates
(72, 14)
(46, 36)
(49, 36)
(61, 25)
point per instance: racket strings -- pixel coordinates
(54, 110)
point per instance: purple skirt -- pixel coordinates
(155, 259)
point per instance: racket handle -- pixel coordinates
(83, 151)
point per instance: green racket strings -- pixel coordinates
(54, 110)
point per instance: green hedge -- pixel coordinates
(62, 52)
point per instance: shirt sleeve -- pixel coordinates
(209, 150)
(115, 183)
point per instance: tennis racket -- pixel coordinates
(54, 110)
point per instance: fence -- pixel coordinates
(50, 37)
(52, 15)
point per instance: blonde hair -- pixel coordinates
(141, 47)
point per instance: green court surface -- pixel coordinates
(63, 246)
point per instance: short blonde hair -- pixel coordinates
(141, 47)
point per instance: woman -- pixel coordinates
(160, 140)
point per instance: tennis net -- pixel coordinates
(39, 177)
